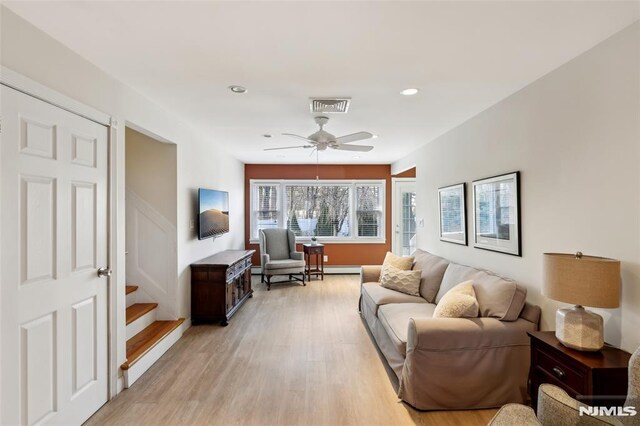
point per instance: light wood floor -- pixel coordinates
(291, 356)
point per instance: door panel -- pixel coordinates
(404, 205)
(54, 237)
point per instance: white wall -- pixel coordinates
(575, 136)
(201, 161)
(151, 172)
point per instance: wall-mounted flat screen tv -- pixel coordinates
(213, 213)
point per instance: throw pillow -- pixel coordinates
(390, 259)
(407, 282)
(459, 302)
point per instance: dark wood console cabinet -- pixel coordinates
(220, 284)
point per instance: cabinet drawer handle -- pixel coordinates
(558, 372)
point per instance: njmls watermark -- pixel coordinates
(627, 411)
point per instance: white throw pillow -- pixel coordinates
(459, 302)
(399, 280)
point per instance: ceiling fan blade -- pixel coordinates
(299, 137)
(359, 148)
(288, 147)
(353, 137)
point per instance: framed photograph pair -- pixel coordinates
(496, 213)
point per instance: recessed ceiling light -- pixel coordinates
(356, 156)
(374, 137)
(238, 89)
(266, 135)
(280, 156)
(409, 92)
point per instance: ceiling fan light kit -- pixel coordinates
(321, 140)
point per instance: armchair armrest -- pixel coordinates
(514, 414)
(264, 260)
(446, 334)
(370, 273)
(296, 255)
(554, 404)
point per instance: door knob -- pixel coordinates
(104, 272)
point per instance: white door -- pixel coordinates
(54, 239)
(404, 216)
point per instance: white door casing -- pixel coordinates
(54, 238)
(403, 216)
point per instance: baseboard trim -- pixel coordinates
(328, 270)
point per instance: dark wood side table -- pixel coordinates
(317, 251)
(595, 378)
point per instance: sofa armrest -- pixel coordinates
(296, 255)
(370, 273)
(443, 334)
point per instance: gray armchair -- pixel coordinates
(278, 255)
(556, 408)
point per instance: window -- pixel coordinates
(266, 211)
(339, 211)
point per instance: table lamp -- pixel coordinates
(581, 280)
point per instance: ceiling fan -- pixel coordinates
(321, 140)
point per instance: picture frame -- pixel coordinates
(496, 214)
(453, 213)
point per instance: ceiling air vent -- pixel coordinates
(330, 105)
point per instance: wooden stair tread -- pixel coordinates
(137, 310)
(130, 289)
(144, 341)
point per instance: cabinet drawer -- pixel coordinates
(560, 371)
(315, 250)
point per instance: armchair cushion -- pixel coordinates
(296, 255)
(276, 243)
(283, 264)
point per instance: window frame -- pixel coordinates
(282, 202)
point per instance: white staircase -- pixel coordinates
(147, 338)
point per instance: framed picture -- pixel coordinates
(496, 213)
(453, 214)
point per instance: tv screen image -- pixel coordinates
(213, 214)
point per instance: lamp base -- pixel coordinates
(580, 329)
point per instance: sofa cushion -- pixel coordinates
(395, 317)
(433, 268)
(454, 275)
(497, 297)
(459, 302)
(407, 282)
(374, 295)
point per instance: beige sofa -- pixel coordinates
(452, 363)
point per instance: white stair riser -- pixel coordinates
(131, 298)
(141, 323)
(148, 359)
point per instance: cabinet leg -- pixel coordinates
(224, 323)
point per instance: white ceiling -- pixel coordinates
(463, 56)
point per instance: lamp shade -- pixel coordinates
(582, 280)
